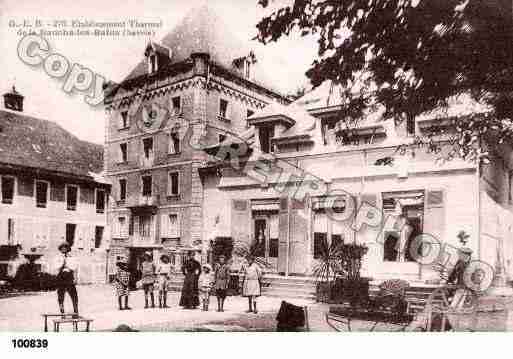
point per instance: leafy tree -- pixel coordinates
(411, 56)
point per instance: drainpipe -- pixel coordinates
(287, 260)
(107, 265)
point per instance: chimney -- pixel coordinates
(13, 100)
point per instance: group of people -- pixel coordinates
(200, 282)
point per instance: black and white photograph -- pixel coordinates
(255, 166)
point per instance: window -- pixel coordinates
(145, 224)
(174, 143)
(124, 154)
(273, 247)
(148, 147)
(124, 119)
(170, 226)
(510, 192)
(247, 68)
(177, 105)
(41, 194)
(222, 138)
(408, 206)
(173, 184)
(320, 244)
(122, 189)
(223, 107)
(98, 236)
(120, 227)
(152, 63)
(146, 186)
(265, 134)
(390, 247)
(71, 197)
(70, 233)
(10, 231)
(410, 125)
(7, 186)
(100, 201)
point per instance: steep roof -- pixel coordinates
(203, 31)
(32, 142)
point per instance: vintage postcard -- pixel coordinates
(256, 166)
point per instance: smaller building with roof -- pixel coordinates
(51, 191)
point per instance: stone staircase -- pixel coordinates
(289, 287)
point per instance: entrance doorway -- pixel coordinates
(265, 234)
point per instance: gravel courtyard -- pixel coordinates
(23, 313)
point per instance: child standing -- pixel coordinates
(148, 279)
(164, 275)
(252, 284)
(121, 282)
(221, 280)
(205, 283)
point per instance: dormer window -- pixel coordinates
(152, 63)
(265, 134)
(247, 69)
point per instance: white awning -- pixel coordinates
(265, 206)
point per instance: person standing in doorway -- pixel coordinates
(164, 273)
(191, 269)
(148, 279)
(221, 281)
(121, 284)
(66, 270)
(252, 284)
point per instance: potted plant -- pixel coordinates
(326, 270)
(354, 288)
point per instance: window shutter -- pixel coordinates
(434, 214)
(240, 221)
(284, 232)
(4, 230)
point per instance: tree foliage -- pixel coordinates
(410, 56)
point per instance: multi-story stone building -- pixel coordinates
(51, 190)
(199, 82)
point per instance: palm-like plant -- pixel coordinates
(329, 262)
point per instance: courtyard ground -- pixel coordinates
(98, 302)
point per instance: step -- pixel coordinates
(281, 294)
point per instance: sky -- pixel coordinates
(285, 62)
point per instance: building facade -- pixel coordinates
(51, 192)
(315, 180)
(200, 149)
(193, 89)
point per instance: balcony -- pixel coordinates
(147, 162)
(138, 240)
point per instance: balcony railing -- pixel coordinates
(138, 240)
(141, 201)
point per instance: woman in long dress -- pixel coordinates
(191, 269)
(252, 284)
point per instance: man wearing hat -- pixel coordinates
(457, 277)
(65, 269)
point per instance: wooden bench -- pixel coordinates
(74, 321)
(57, 315)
